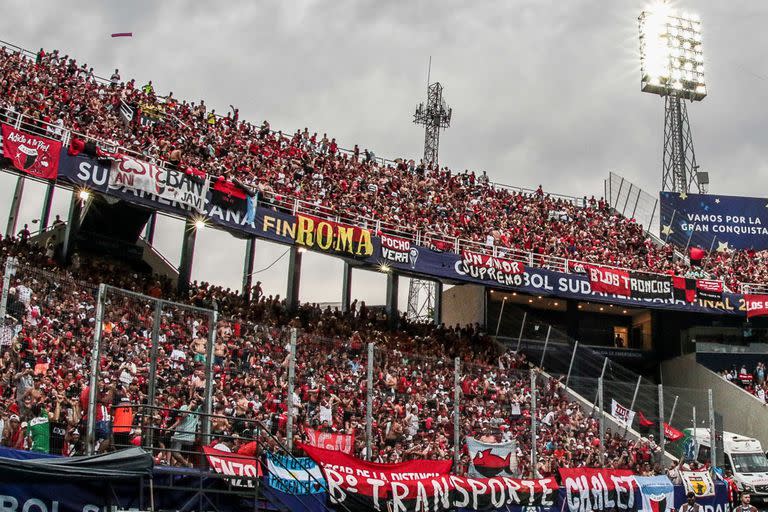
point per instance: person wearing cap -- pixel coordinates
(690, 504)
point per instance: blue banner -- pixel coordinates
(294, 475)
(373, 252)
(717, 222)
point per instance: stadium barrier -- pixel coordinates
(589, 371)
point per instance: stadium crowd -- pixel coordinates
(45, 360)
(751, 381)
(56, 92)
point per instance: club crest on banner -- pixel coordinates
(698, 482)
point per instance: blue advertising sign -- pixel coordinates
(374, 250)
(716, 222)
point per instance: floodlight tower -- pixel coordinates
(672, 66)
(434, 115)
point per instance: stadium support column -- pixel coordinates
(391, 307)
(150, 233)
(13, 215)
(437, 313)
(294, 278)
(250, 256)
(346, 287)
(73, 226)
(187, 256)
(45, 215)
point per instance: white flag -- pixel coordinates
(623, 415)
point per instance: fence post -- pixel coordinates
(602, 421)
(152, 384)
(672, 414)
(693, 413)
(653, 212)
(534, 459)
(602, 374)
(662, 440)
(546, 342)
(632, 405)
(570, 365)
(369, 404)
(712, 432)
(214, 318)
(93, 378)
(522, 326)
(9, 270)
(456, 421)
(501, 313)
(289, 399)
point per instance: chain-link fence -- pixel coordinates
(632, 202)
(659, 415)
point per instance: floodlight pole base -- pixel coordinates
(679, 169)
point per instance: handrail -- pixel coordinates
(427, 239)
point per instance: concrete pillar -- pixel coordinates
(73, 226)
(346, 287)
(250, 256)
(150, 233)
(45, 215)
(437, 314)
(187, 256)
(13, 214)
(391, 304)
(294, 278)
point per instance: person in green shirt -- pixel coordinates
(39, 429)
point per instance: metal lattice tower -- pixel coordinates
(434, 115)
(680, 171)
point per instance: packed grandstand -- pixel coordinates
(52, 308)
(54, 93)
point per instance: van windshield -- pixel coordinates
(749, 462)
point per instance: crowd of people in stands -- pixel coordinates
(56, 92)
(751, 381)
(45, 350)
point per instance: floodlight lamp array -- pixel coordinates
(671, 57)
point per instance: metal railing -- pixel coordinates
(426, 238)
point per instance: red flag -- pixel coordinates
(642, 420)
(122, 34)
(671, 433)
(696, 255)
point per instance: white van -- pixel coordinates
(744, 456)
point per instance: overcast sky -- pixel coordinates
(543, 91)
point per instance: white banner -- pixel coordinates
(698, 482)
(171, 185)
(623, 415)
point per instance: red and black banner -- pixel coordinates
(599, 489)
(228, 195)
(629, 283)
(32, 154)
(422, 485)
(671, 433)
(757, 305)
(243, 469)
(692, 290)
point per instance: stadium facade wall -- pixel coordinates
(742, 412)
(464, 304)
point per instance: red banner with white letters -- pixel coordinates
(35, 155)
(359, 485)
(336, 442)
(242, 468)
(757, 305)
